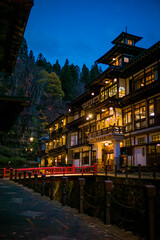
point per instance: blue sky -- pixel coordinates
(82, 30)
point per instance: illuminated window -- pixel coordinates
(156, 138)
(129, 42)
(151, 108)
(121, 91)
(113, 90)
(126, 59)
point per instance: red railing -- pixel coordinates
(52, 170)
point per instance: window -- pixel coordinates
(121, 91)
(85, 157)
(156, 138)
(128, 142)
(140, 115)
(140, 111)
(93, 157)
(151, 108)
(138, 81)
(74, 139)
(76, 155)
(113, 90)
(129, 42)
(127, 115)
(141, 140)
(126, 59)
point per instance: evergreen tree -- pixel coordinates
(57, 68)
(94, 72)
(31, 57)
(85, 76)
(23, 51)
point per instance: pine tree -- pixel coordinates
(84, 76)
(57, 68)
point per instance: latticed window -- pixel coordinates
(141, 140)
(156, 138)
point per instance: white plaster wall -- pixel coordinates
(138, 157)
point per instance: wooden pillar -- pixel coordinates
(108, 189)
(64, 197)
(151, 194)
(81, 185)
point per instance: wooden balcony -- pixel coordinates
(118, 130)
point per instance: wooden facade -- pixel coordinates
(116, 121)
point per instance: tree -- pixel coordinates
(94, 72)
(84, 76)
(23, 51)
(57, 68)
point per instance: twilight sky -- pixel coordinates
(82, 30)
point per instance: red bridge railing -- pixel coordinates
(52, 170)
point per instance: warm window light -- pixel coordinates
(113, 59)
(106, 82)
(31, 139)
(69, 110)
(31, 149)
(87, 118)
(152, 114)
(106, 144)
(107, 119)
(111, 108)
(115, 79)
(90, 116)
(62, 120)
(62, 136)
(92, 93)
(103, 110)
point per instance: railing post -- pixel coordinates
(19, 174)
(24, 174)
(35, 182)
(64, 183)
(105, 169)
(29, 179)
(81, 184)
(126, 170)
(4, 172)
(16, 175)
(95, 168)
(73, 168)
(151, 194)
(11, 173)
(43, 185)
(139, 171)
(108, 189)
(63, 171)
(154, 172)
(52, 178)
(115, 170)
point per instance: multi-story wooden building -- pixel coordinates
(118, 118)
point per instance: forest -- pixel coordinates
(49, 88)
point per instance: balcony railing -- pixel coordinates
(111, 129)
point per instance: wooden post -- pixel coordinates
(115, 170)
(139, 171)
(64, 182)
(73, 168)
(126, 170)
(29, 180)
(52, 178)
(108, 189)
(11, 173)
(19, 174)
(43, 185)
(35, 182)
(16, 175)
(154, 172)
(24, 174)
(151, 194)
(4, 172)
(95, 168)
(81, 184)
